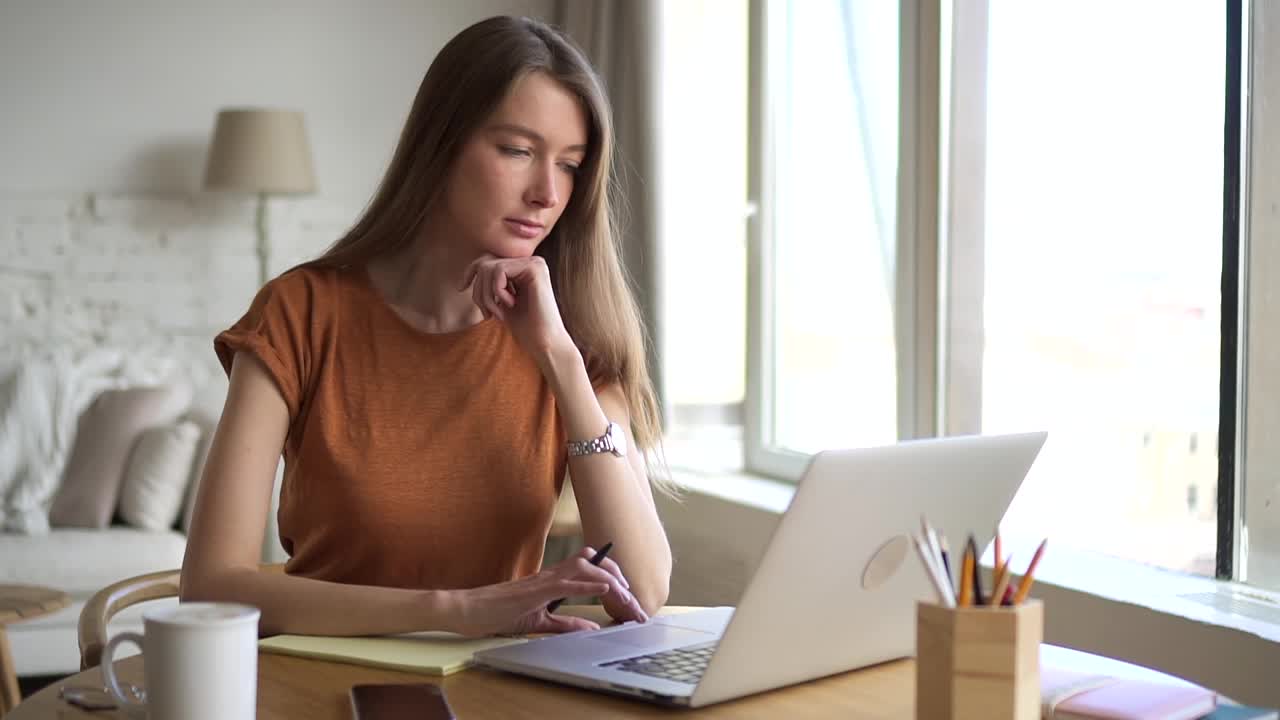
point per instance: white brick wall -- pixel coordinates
(117, 267)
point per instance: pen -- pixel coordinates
(1024, 587)
(930, 540)
(595, 560)
(933, 542)
(946, 563)
(931, 571)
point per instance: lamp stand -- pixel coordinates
(264, 249)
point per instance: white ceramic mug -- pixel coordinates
(200, 660)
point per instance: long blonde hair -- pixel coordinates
(464, 85)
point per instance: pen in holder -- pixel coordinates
(979, 662)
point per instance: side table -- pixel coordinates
(21, 602)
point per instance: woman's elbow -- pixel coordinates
(653, 595)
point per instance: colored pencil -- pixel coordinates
(1024, 586)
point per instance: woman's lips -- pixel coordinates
(523, 229)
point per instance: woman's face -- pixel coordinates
(514, 176)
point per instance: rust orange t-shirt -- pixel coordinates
(412, 460)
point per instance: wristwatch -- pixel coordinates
(613, 441)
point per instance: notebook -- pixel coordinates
(1070, 695)
(430, 653)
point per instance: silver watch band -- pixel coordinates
(612, 441)
(590, 447)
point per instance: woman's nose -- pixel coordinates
(542, 190)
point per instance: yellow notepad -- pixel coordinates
(431, 653)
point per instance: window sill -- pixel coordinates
(754, 491)
(1209, 601)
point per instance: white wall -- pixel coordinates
(105, 116)
(121, 96)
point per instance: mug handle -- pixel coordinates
(109, 670)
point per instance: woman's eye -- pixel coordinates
(570, 168)
(514, 151)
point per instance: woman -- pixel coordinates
(432, 375)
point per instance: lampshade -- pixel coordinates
(258, 150)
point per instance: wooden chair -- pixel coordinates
(110, 600)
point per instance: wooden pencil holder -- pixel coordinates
(978, 663)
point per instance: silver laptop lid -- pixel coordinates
(837, 586)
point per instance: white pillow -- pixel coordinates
(155, 480)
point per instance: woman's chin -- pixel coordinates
(513, 249)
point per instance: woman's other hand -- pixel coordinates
(519, 607)
(518, 292)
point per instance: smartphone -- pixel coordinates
(418, 701)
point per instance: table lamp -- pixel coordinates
(260, 151)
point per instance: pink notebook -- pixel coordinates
(1067, 695)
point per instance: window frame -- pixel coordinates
(1230, 390)
(758, 454)
(1259, 348)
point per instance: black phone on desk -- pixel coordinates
(403, 701)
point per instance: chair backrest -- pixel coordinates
(110, 600)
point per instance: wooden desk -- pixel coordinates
(290, 687)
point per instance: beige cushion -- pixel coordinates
(156, 477)
(104, 436)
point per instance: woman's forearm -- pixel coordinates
(304, 606)
(639, 543)
(615, 502)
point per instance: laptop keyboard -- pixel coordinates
(684, 664)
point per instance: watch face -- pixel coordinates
(618, 438)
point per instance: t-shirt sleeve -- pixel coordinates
(275, 330)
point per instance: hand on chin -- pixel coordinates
(518, 291)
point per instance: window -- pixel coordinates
(704, 220)
(959, 220)
(826, 233)
(1102, 255)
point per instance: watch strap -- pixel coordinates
(602, 444)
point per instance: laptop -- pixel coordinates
(835, 590)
